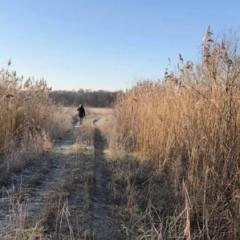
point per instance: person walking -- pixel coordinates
(81, 112)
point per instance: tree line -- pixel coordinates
(99, 98)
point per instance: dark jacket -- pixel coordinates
(81, 112)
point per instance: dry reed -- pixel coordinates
(28, 120)
(188, 124)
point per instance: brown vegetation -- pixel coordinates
(28, 121)
(188, 126)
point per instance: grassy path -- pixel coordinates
(101, 222)
(61, 195)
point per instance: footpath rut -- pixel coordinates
(49, 173)
(101, 222)
(36, 194)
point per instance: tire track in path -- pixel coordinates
(35, 197)
(101, 222)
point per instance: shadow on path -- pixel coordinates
(101, 223)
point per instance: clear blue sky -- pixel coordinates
(105, 44)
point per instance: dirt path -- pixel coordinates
(38, 198)
(65, 191)
(101, 222)
(33, 185)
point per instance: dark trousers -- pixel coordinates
(81, 119)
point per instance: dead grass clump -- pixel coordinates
(141, 198)
(188, 124)
(15, 226)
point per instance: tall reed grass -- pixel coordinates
(188, 124)
(27, 120)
